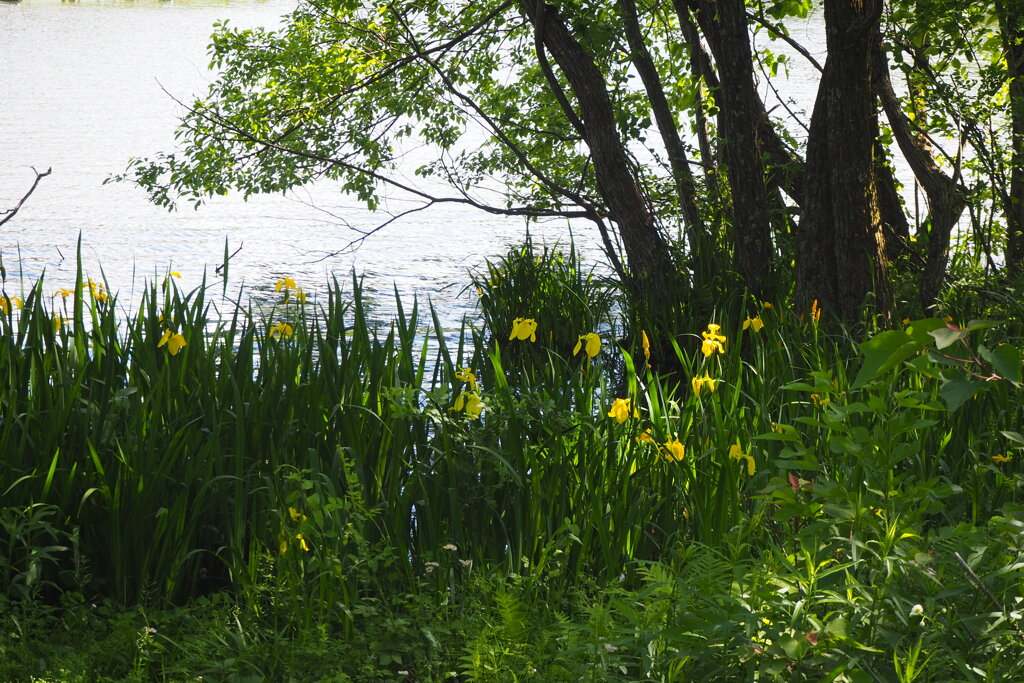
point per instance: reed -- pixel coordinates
(312, 463)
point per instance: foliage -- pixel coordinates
(789, 505)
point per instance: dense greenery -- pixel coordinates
(330, 501)
(781, 442)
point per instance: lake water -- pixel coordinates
(82, 90)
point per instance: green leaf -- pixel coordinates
(1005, 359)
(982, 324)
(948, 335)
(955, 391)
(791, 646)
(838, 627)
(883, 352)
(1014, 436)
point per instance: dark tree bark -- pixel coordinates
(724, 24)
(700, 68)
(945, 196)
(841, 255)
(1011, 28)
(652, 271)
(686, 186)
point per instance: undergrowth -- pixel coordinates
(550, 493)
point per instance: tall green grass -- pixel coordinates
(312, 463)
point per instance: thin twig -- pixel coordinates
(11, 212)
(977, 582)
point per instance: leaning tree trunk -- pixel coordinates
(841, 255)
(945, 196)
(724, 23)
(652, 273)
(1011, 27)
(686, 186)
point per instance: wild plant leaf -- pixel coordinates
(982, 324)
(1005, 359)
(883, 352)
(956, 391)
(949, 335)
(1014, 436)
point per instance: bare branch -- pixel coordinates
(781, 34)
(8, 214)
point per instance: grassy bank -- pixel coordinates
(296, 495)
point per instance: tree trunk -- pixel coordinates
(841, 247)
(1011, 28)
(945, 196)
(653, 276)
(724, 23)
(686, 186)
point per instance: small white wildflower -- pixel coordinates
(466, 563)
(609, 647)
(430, 566)
(403, 673)
(916, 611)
(451, 546)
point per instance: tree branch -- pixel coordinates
(8, 214)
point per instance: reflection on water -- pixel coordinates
(82, 89)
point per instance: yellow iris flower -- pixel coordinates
(97, 290)
(281, 331)
(286, 284)
(713, 341)
(646, 343)
(1001, 458)
(620, 410)
(699, 383)
(9, 302)
(466, 375)
(173, 340)
(593, 344)
(645, 437)
(754, 322)
(737, 453)
(674, 450)
(470, 401)
(524, 328)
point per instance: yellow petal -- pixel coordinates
(473, 405)
(751, 468)
(175, 343)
